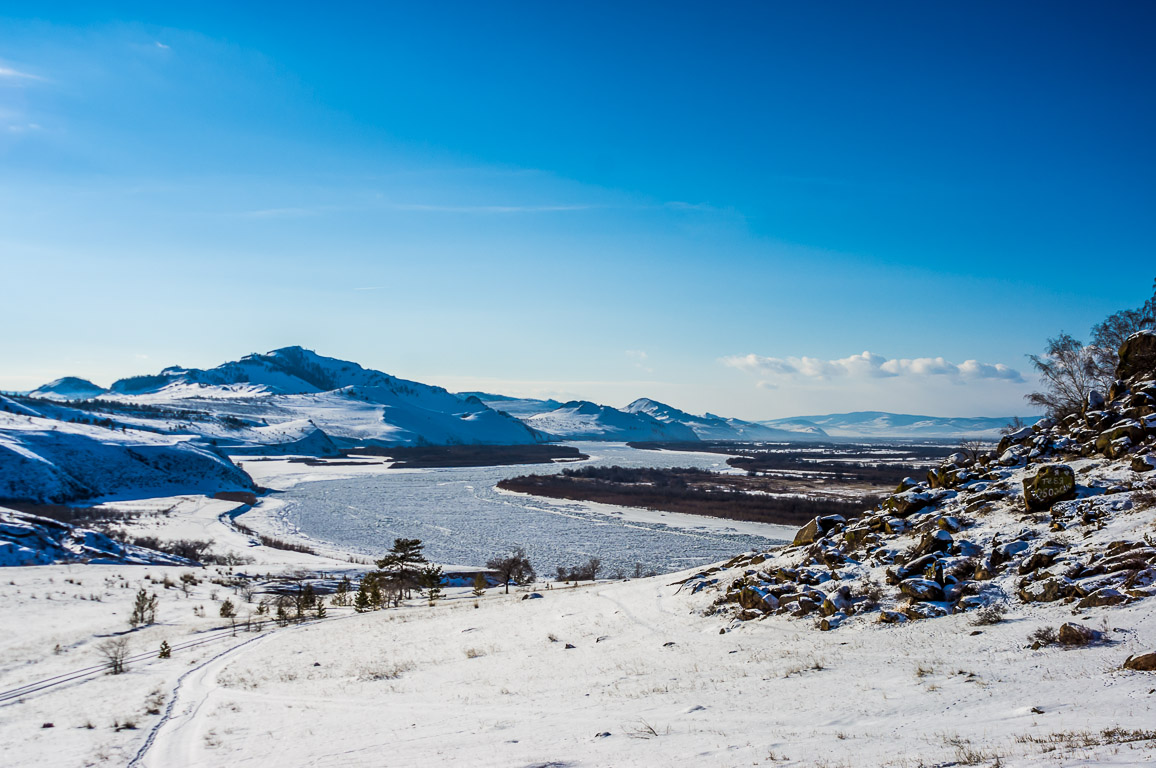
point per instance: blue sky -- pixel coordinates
(762, 210)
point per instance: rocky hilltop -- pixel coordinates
(1063, 510)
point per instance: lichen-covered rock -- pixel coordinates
(1052, 483)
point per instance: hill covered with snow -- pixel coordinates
(45, 459)
(583, 420)
(711, 427)
(882, 425)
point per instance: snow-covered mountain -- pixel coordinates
(583, 420)
(352, 405)
(711, 427)
(522, 407)
(45, 459)
(878, 424)
(68, 388)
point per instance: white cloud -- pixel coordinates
(162, 45)
(868, 365)
(13, 74)
(639, 358)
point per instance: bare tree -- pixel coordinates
(1107, 338)
(1068, 373)
(513, 567)
(115, 652)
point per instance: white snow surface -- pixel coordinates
(711, 427)
(583, 420)
(50, 460)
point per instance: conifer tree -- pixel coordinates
(361, 603)
(401, 566)
(166, 651)
(479, 585)
(144, 609)
(341, 597)
(431, 581)
(320, 611)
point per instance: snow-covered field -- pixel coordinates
(649, 681)
(642, 672)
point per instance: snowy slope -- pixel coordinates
(33, 540)
(48, 460)
(878, 424)
(68, 388)
(522, 407)
(583, 420)
(711, 427)
(351, 404)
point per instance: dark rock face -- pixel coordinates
(1137, 355)
(1053, 482)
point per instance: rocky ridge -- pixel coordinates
(1059, 511)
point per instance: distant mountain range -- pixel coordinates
(292, 400)
(880, 425)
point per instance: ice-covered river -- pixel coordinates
(463, 520)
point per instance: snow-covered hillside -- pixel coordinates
(711, 427)
(251, 401)
(33, 540)
(522, 407)
(68, 388)
(45, 459)
(881, 425)
(583, 420)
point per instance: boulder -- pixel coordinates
(1077, 634)
(921, 590)
(1143, 463)
(933, 541)
(816, 529)
(894, 617)
(1137, 354)
(1103, 596)
(1045, 591)
(1052, 483)
(1145, 662)
(924, 611)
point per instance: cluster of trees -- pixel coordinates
(403, 571)
(691, 491)
(1069, 370)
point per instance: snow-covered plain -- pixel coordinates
(649, 682)
(654, 677)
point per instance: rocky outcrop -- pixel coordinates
(1056, 513)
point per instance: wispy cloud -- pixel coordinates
(639, 358)
(8, 73)
(162, 45)
(488, 208)
(867, 365)
(24, 128)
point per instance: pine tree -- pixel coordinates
(282, 615)
(401, 566)
(144, 609)
(308, 596)
(166, 652)
(341, 597)
(320, 611)
(479, 585)
(361, 603)
(431, 580)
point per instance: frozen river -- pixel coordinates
(463, 520)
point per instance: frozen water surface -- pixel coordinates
(463, 520)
